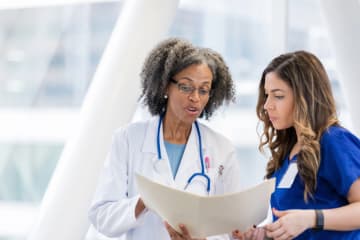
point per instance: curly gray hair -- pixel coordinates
(172, 56)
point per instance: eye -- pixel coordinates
(204, 91)
(185, 88)
(279, 97)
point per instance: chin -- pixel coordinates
(278, 127)
(190, 119)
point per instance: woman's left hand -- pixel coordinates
(174, 235)
(290, 224)
(250, 234)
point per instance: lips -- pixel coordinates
(192, 110)
(272, 118)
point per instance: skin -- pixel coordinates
(183, 109)
(279, 103)
(181, 112)
(291, 223)
(174, 235)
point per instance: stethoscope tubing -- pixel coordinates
(202, 173)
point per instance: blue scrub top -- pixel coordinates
(339, 168)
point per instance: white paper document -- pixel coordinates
(207, 215)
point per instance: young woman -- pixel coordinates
(316, 162)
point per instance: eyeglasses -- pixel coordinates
(189, 89)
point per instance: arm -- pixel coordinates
(294, 222)
(341, 149)
(113, 212)
(347, 217)
(340, 155)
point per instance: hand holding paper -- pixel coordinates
(203, 215)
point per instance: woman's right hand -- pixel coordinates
(139, 208)
(250, 234)
(184, 235)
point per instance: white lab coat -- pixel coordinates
(134, 149)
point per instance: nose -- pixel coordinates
(268, 105)
(194, 96)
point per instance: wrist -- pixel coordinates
(319, 220)
(139, 208)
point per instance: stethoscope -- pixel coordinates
(196, 174)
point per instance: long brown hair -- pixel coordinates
(314, 112)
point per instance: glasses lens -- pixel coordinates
(186, 88)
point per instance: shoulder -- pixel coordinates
(134, 129)
(338, 141)
(338, 135)
(213, 137)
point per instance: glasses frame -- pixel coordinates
(190, 91)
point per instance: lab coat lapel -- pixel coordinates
(190, 162)
(150, 146)
(149, 141)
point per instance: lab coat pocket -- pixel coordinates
(217, 183)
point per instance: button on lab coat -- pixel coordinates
(134, 150)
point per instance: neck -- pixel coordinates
(175, 131)
(295, 150)
(297, 146)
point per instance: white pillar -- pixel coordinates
(110, 103)
(343, 20)
(279, 26)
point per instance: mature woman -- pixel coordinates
(180, 83)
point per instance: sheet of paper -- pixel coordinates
(207, 215)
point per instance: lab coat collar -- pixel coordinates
(190, 162)
(149, 142)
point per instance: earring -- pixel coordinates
(165, 96)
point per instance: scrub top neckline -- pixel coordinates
(293, 159)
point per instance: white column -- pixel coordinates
(279, 26)
(343, 20)
(110, 103)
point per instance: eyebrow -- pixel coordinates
(186, 78)
(276, 90)
(189, 79)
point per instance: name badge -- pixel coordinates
(289, 177)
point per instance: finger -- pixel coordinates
(284, 236)
(277, 233)
(236, 234)
(273, 226)
(259, 234)
(279, 213)
(170, 230)
(249, 233)
(185, 231)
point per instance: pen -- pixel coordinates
(220, 170)
(207, 163)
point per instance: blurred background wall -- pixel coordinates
(49, 54)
